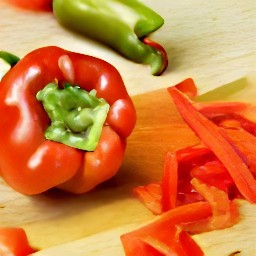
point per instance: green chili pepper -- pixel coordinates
(121, 24)
(77, 116)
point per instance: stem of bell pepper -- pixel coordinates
(215, 139)
(77, 116)
(8, 57)
(121, 25)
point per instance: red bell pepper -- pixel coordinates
(56, 134)
(14, 242)
(35, 5)
(213, 137)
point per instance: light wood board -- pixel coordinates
(213, 42)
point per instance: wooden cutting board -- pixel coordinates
(58, 223)
(159, 129)
(211, 41)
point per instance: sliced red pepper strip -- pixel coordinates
(224, 211)
(188, 87)
(245, 143)
(164, 235)
(14, 242)
(151, 196)
(213, 137)
(175, 188)
(170, 181)
(214, 173)
(189, 158)
(235, 121)
(211, 109)
(32, 164)
(182, 244)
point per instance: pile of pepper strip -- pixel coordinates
(201, 182)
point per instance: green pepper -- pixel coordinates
(122, 25)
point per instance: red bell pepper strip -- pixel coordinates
(175, 188)
(230, 114)
(213, 109)
(170, 182)
(213, 137)
(245, 144)
(14, 242)
(163, 236)
(188, 87)
(151, 196)
(214, 173)
(31, 163)
(224, 211)
(35, 5)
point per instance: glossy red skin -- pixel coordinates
(14, 242)
(99, 165)
(36, 5)
(23, 119)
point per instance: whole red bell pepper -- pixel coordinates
(64, 122)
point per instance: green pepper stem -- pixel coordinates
(9, 58)
(77, 116)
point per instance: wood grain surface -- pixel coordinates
(214, 42)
